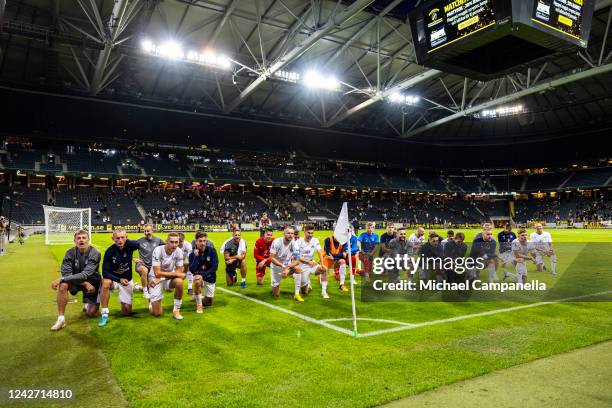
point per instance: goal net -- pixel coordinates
(61, 223)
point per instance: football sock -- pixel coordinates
(342, 274)
(177, 304)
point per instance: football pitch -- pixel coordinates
(250, 349)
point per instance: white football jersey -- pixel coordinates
(522, 249)
(308, 249)
(186, 248)
(541, 241)
(283, 252)
(167, 263)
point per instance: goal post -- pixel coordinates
(61, 223)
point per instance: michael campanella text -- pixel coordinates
(406, 285)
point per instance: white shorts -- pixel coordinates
(208, 289)
(539, 258)
(276, 275)
(157, 292)
(308, 270)
(521, 268)
(126, 293)
(506, 257)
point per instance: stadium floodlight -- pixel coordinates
(502, 111)
(314, 79)
(287, 76)
(403, 99)
(174, 51)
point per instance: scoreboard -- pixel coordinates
(446, 23)
(490, 38)
(562, 16)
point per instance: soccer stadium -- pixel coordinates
(306, 203)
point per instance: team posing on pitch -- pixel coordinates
(164, 265)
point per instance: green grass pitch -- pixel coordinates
(242, 353)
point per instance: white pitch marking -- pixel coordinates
(369, 320)
(490, 312)
(291, 312)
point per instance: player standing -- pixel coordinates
(145, 254)
(117, 272)
(80, 272)
(368, 245)
(203, 263)
(505, 239)
(307, 246)
(261, 252)
(385, 238)
(544, 247)
(234, 252)
(284, 258)
(186, 247)
(167, 274)
(402, 247)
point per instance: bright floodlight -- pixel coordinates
(148, 46)
(403, 99)
(314, 79)
(170, 50)
(502, 111)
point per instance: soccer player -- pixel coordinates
(186, 247)
(485, 247)
(145, 254)
(486, 226)
(455, 249)
(307, 246)
(450, 235)
(20, 234)
(385, 238)
(505, 239)
(285, 261)
(544, 247)
(203, 263)
(354, 246)
(368, 245)
(261, 252)
(167, 274)
(417, 239)
(117, 272)
(80, 272)
(399, 246)
(335, 257)
(431, 250)
(522, 250)
(234, 252)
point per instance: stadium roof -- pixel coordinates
(94, 49)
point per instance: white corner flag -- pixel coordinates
(343, 234)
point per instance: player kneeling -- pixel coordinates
(80, 272)
(522, 250)
(203, 263)
(284, 259)
(261, 252)
(167, 273)
(307, 247)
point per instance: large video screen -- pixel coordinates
(564, 16)
(448, 21)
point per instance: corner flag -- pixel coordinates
(343, 233)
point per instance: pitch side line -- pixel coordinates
(290, 312)
(368, 319)
(490, 312)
